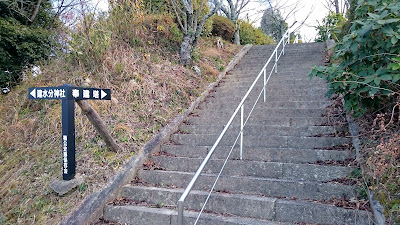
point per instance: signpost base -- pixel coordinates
(62, 187)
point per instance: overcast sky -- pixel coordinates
(307, 31)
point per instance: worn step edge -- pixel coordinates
(261, 154)
(257, 207)
(250, 185)
(254, 168)
(160, 216)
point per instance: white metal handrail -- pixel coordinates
(285, 40)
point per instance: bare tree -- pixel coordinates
(191, 22)
(27, 9)
(188, 13)
(272, 23)
(337, 6)
(282, 11)
(232, 9)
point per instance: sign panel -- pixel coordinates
(69, 92)
(47, 93)
(89, 93)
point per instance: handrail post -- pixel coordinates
(276, 60)
(228, 124)
(241, 131)
(265, 85)
(180, 212)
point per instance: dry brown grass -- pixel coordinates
(147, 94)
(381, 156)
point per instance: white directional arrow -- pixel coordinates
(33, 93)
(102, 94)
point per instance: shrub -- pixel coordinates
(23, 42)
(208, 27)
(163, 26)
(158, 6)
(20, 46)
(90, 43)
(251, 35)
(368, 72)
(223, 27)
(331, 27)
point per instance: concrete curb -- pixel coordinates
(377, 208)
(92, 208)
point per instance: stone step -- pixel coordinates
(278, 78)
(215, 97)
(285, 155)
(273, 86)
(270, 121)
(241, 91)
(289, 84)
(304, 131)
(288, 53)
(249, 185)
(230, 105)
(138, 215)
(256, 207)
(260, 141)
(228, 80)
(303, 68)
(271, 99)
(254, 70)
(213, 114)
(285, 60)
(277, 170)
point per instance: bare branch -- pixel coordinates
(36, 11)
(175, 7)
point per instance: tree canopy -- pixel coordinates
(25, 37)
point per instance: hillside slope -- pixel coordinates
(148, 88)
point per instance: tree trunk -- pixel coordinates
(186, 49)
(236, 36)
(337, 6)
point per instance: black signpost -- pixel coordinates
(68, 94)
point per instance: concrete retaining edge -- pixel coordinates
(92, 208)
(377, 208)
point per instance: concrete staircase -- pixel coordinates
(278, 181)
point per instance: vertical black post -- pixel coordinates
(68, 138)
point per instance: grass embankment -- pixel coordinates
(149, 88)
(380, 134)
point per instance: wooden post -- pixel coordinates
(97, 122)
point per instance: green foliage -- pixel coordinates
(45, 17)
(331, 27)
(208, 27)
(133, 27)
(368, 70)
(20, 45)
(223, 27)
(251, 35)
(23, 42)
(273, 24)
(158, 6)
(350, 15)
(164, 26)
(90, 43)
